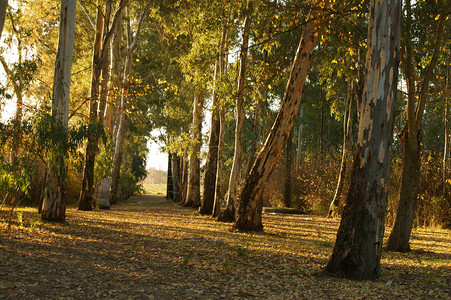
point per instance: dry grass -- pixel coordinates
(150, 248)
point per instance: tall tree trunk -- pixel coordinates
(358, 246)
(218, 186)
(211, 165)
(287, 186)
(3, 7)
(410, 136)
(86, 200)
(228, 215)
(114, 95)
(219, 178)
(118, 149)
(347, 120)
(170, 182)
(105, 72)
(193, 195)
(176, 177)
(251, 202)
(132, 43)
(300, 134)
(183, 179)
(54, 205)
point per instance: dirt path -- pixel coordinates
(149, 248)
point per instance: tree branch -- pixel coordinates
(90, 19)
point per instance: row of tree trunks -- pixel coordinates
(411, 134)
(358, 247)
(251, 200)
(86, 200)
(228, 215)
(132, 43)
(102, 37)
(211, 165)
(54, 204)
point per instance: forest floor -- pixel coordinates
(150, 248)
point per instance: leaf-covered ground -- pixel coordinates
(149, 248)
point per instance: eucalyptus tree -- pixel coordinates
(228, 215)
(418, 70)
(251, 202)
(132, 43)
(54, 205)
(102, 37)
(358, 247)
(214, 154)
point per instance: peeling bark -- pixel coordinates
(251, 202)
(358, 247)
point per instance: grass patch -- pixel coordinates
(154, 189)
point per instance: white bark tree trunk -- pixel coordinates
(228, 215)
(54, 205)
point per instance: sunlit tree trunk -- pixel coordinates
(228, 215)
(105, 72)
(223, 62)
(132, 43)
(249, 216)
(358, 246)
(410, 137)
(86, 200)
(193, 194)
(211, 165)
(114, 94)
(219, 178)
(347, 124)
(54, 205)
(183, 179)
(3, 7)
